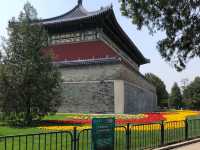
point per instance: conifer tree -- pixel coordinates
(192, 93)
(176, 96)
(30, 85)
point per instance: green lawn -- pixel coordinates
(6, 130)
(59, 116)
(35, 140)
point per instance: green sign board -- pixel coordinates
(103, 130)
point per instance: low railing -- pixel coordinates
(42, 141)
(193, 128)
(127, 137)
(144, 136)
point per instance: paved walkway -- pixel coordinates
(195, 146)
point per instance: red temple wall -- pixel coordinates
(82, 50)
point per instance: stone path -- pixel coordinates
(195, 146)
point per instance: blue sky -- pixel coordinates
(145, 42)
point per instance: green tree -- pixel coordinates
(176, 96)
(192, 93)
(0, 56)
(30, 85)
(179, 19)
(161, 91)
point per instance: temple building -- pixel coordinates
(99, 63)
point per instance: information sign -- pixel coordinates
(103, 130)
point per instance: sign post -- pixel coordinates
(103, 130)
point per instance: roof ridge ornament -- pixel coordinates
(111, 5)
(80, 2)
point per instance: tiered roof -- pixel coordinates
(80, 19)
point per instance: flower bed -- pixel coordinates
(179, 115)
(83, 121)
(120, 119)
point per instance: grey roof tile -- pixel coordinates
(78, 12)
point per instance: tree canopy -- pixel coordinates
(179, 19)
(192, 92)
(161, 91)
(176, 96)
(30, 85)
